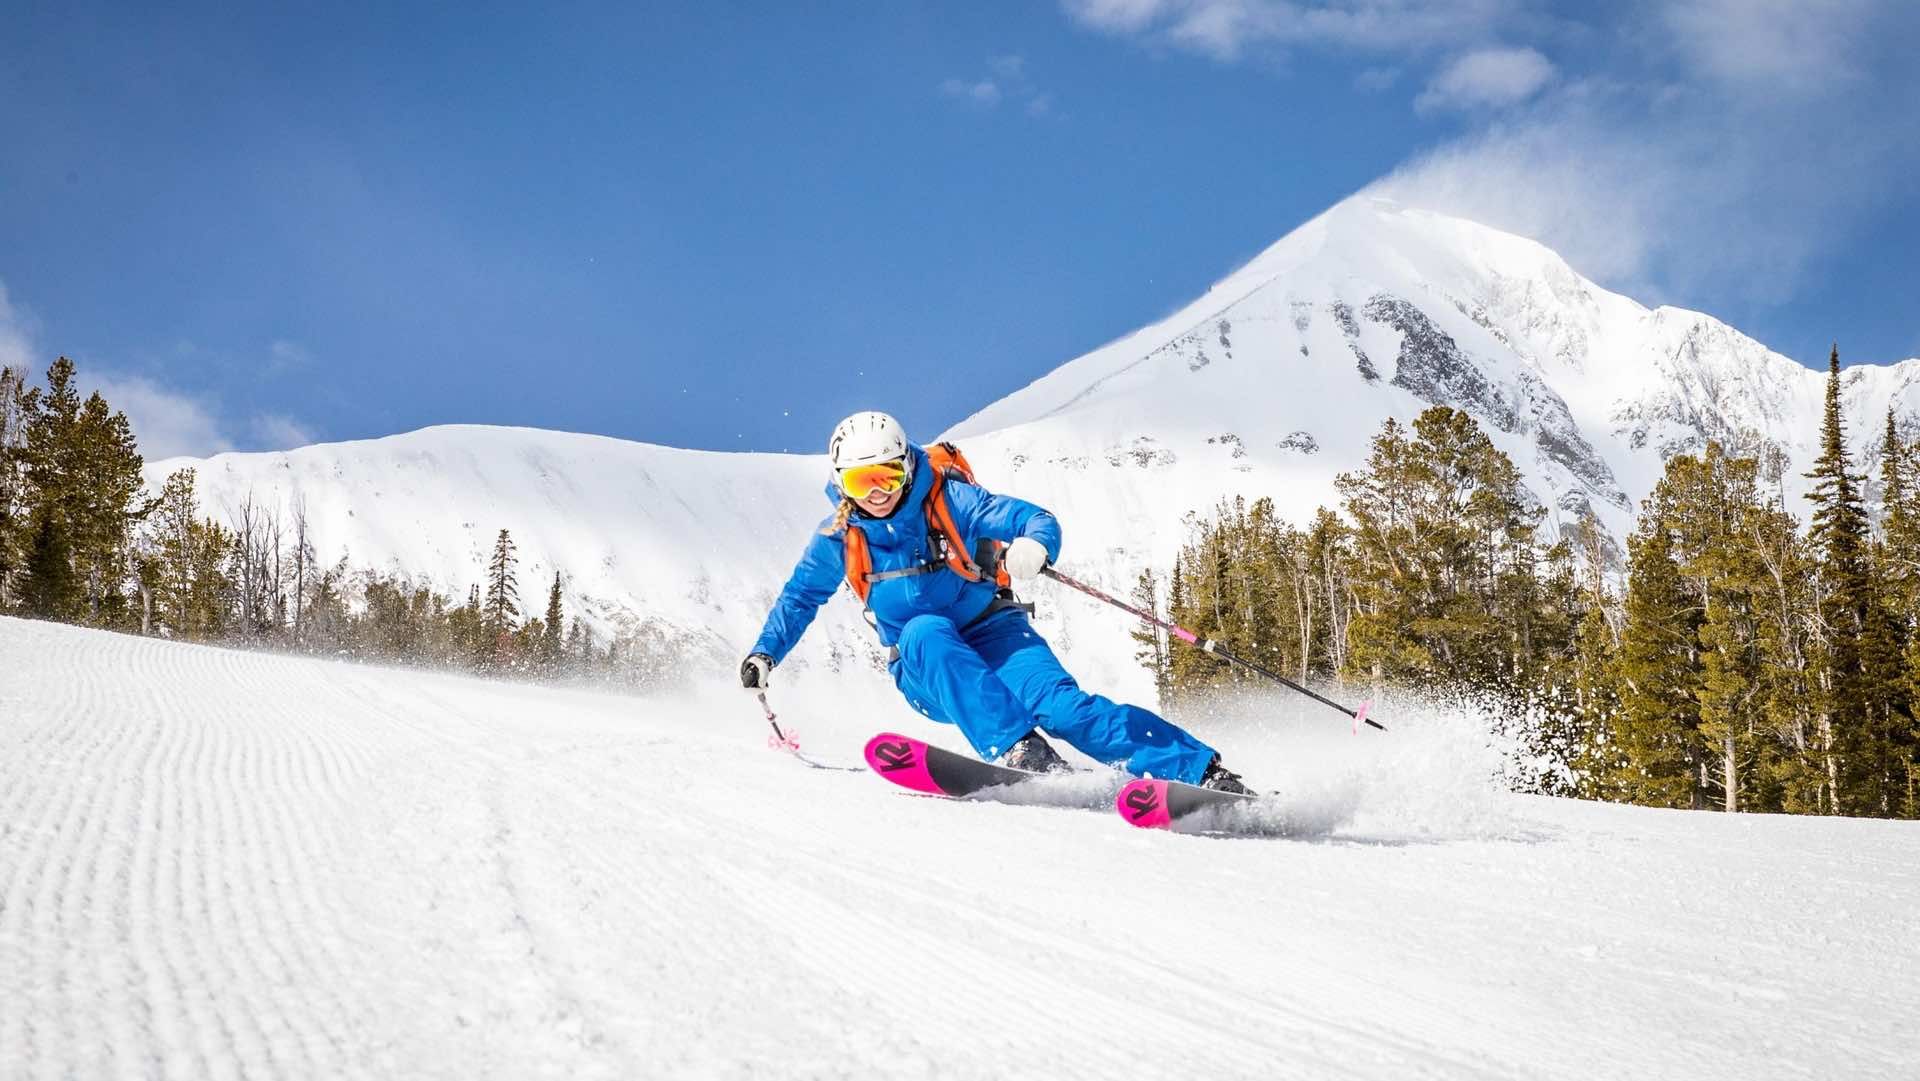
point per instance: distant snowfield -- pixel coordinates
(216, 864)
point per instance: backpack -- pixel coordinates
(945, 460)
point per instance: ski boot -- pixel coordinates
(1221, 779)
(1034, 754)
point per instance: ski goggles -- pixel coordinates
(861, 481)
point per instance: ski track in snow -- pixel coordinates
(217, 864)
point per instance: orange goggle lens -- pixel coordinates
(861, 481)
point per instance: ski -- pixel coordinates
(936, 771)
(1171, 805)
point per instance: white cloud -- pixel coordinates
(1774, 47)
(1225, 28)
(167, 423)
(1007, 80)
(16, 343)
(1665, 191)
(1682, 146)
(1221, 29)
(983, 91)
(1487, 78)
(1376, 80)
(283, 355)
(1117, 16)
(277, 431)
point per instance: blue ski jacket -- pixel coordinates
(899, 542)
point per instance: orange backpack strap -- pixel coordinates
(947, 457)
(859, 562)
(940, 517)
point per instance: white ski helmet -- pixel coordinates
(865, 438)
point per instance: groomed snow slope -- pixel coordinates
(216, 864)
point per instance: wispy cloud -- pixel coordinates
(1225, 29)
(1774, 47)
(981, 91)
(1663, 146)
(1710, 158)
(16, 345)
(173, 423)
(277, 431)
(1487, 78)
(1006, 80)
(285, 356)
(168, 423)
(1376, 80)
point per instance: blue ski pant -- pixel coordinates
(998, 679)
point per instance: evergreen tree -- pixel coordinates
(327, 621)
(1546, 686)
(394, 627)
(1890, 652)
(550, 639)
(1150, 641)
(1839, 534)
(467, 628)
(585, 655)
(18, 405)
(51, 590)
(193, 595)
(1709, 500)
(83, 467)
(1652, 745)
(502, 609)
(1201, 577)
(576, 645)
(1900, 525)
(525, 645)
(172, 537)
(1326, 553)
(1714, 609)
(1792, 776)
(1444, 557)
(1596, 696)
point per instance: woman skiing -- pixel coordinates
(962, 649)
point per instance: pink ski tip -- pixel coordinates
(1143, 803)
(1361, 715)
(902, 760)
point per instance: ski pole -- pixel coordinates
(780, 741)
(1208, 645)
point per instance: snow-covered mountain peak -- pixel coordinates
(1269, 384)
(1364, 248)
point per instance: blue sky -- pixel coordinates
(725, 225)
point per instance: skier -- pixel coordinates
(962, 650)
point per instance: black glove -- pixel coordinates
(755, 671)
